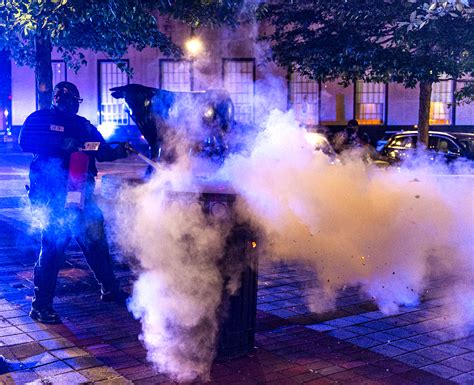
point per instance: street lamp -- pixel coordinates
(194, 46)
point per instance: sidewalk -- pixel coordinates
(356, 344)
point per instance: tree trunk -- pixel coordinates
(424, 112)
(43, 71)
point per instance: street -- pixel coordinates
(99, 343)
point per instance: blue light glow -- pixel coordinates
(107, 129)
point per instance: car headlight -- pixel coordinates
(209, 113)
(316, 140)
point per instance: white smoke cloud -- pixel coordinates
(179, 288)
(356, 224)
(384, 230)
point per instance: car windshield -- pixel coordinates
(403, 142)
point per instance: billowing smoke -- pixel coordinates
(384, 230)
(179, 288)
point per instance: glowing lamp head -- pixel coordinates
(194, 46)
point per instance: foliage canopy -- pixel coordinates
(402, 41)
(110, 26)
(29, 29)
(368, 40)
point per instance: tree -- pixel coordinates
(367, 40)
(445, 8)
(30, 29)
(436, 9)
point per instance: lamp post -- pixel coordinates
(194, 47)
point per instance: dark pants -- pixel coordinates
(59, 227)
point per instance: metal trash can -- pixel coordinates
(237, 312)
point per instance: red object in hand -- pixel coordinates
(77, 180)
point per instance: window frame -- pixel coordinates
(254, 76)
(385, 107)
(452, 108)
(99, 93)
(408, 138)
(191, 72)
(318, 95)
(453, 143)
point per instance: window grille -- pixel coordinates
(370, 102)
(175, 75)
(441, 102)
(304, 99)
(239, 78)
(111, 109)
(59, 71)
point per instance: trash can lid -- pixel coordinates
(205, 186)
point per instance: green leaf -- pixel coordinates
(72, 25)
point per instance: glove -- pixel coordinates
(121, 150)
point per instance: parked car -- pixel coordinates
(319, 142)
(383, 141)
(444, 146)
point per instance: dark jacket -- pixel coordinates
(52, 135)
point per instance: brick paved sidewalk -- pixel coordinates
(98, 343)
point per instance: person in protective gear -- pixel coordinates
(350, 137)
(353, 138)
(52, 135)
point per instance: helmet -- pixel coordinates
(353, 123)
(66, 97)
(352, 127)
